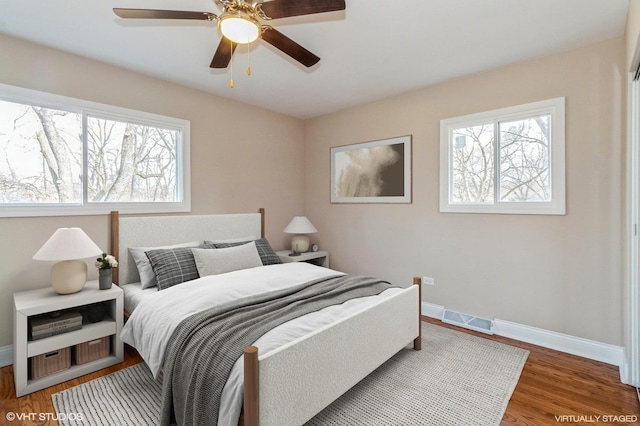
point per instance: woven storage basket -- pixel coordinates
(49, 363)
(92, 350)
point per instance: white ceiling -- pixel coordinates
(372, 50)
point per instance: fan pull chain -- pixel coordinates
(231, 84)
(248, 60)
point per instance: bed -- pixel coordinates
(314, 358)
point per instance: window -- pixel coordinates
(64, 156)
(509, 160)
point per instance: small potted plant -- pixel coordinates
(105, 275)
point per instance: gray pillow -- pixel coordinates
(147, 276)
(219, 261)
(174, 266)
(267, 255)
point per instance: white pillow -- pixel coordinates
(219, 261)
(147, 276)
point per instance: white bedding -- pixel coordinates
(155, 318)
(133, 295)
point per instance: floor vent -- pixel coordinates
(482, 325)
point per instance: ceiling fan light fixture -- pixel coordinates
(240, 23)
(239, 27)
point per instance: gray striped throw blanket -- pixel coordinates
(205, 346)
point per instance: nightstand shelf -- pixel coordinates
(43, 301)
(88, 332)
(320, 258)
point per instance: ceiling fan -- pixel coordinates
(241, 23)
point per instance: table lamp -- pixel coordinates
(299, 225)
(67, 246)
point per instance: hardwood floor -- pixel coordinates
(38, 406)
(554, 389)
(574, 389)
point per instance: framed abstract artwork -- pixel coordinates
(372, 172)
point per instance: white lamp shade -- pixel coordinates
(300, 225)
(68, 244)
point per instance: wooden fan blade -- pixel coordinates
(163, 14)
(223, 53)
(276, 9)
(288, 46)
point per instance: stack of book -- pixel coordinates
(47, 326)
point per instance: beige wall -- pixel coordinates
(242, 158)
(560, 273)
(633, 28)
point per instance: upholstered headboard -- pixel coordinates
(151, 231)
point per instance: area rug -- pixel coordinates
(457, 379)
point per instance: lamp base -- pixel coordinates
(68, 276)
(299, 243)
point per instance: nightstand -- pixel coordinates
(43, 301)
(320, 258)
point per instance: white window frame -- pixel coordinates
(556, 108)
(109, 112)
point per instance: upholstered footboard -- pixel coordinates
(292, 384)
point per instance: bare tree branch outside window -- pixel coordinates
(130, 163)
(41, 158)
(523, 161)
(473, 164)
(509, 160)
(40, 155)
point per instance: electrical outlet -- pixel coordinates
(428, 281)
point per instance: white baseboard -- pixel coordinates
(6, 355)
(585, 348)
